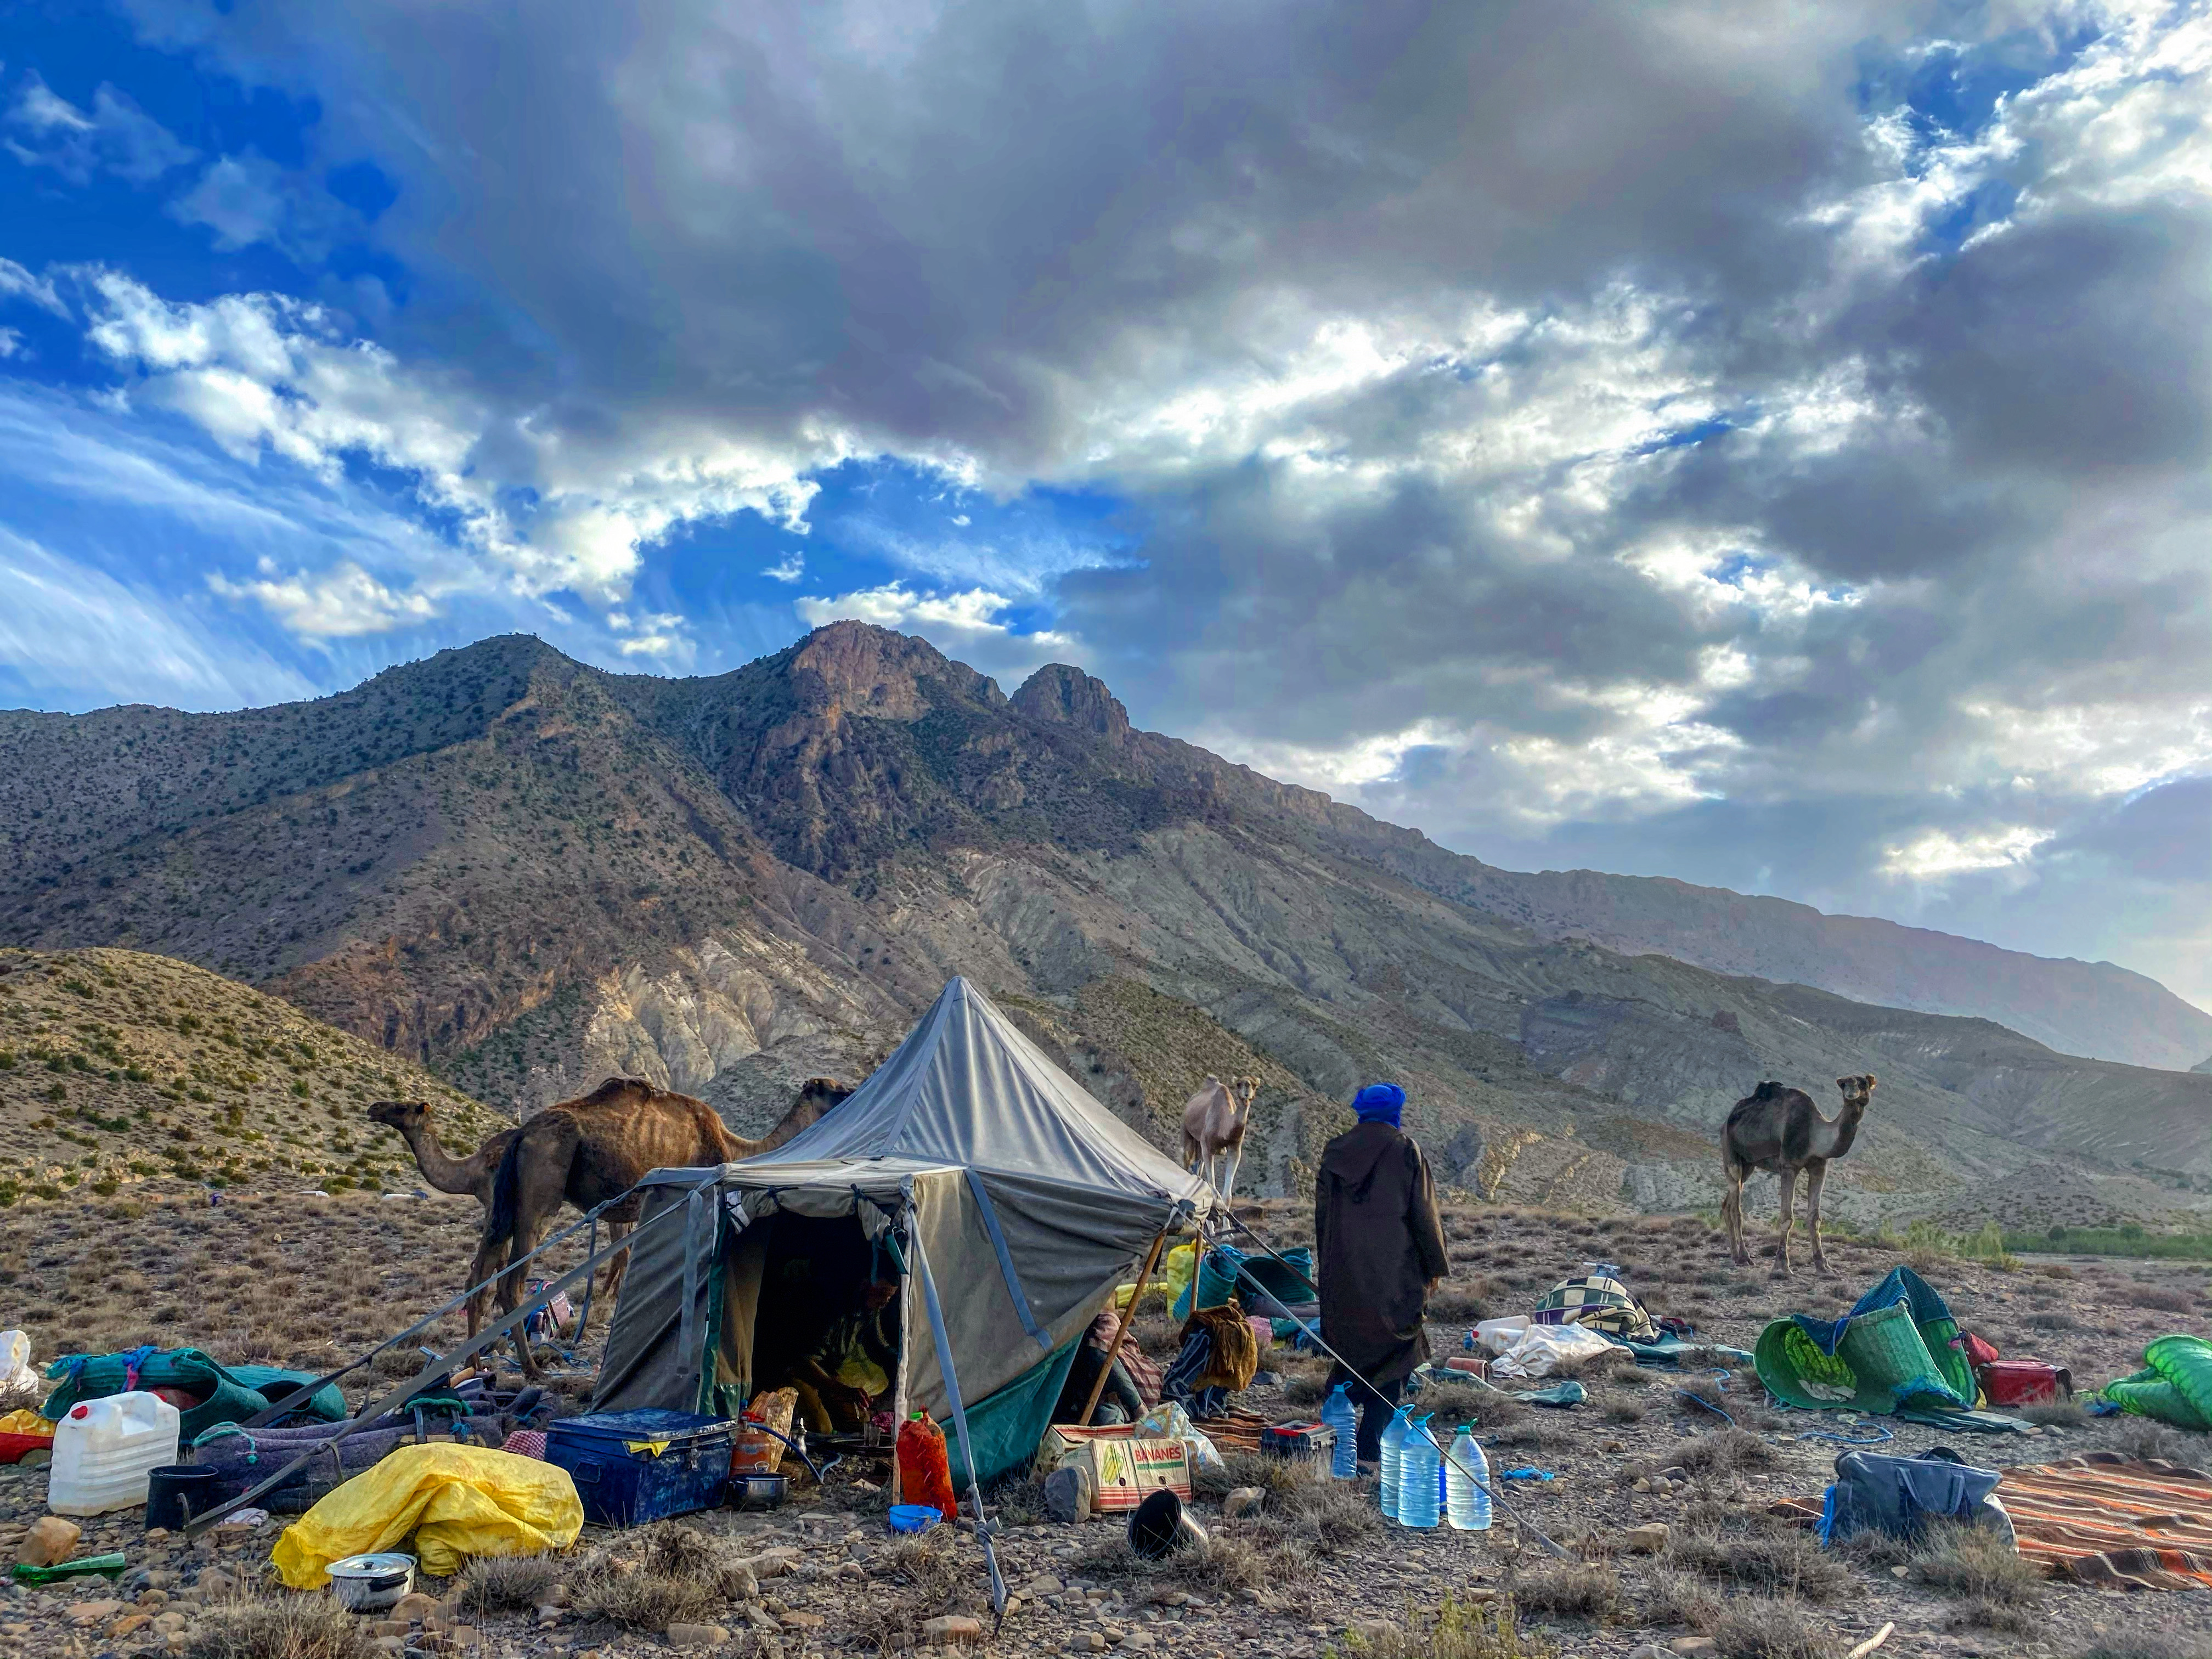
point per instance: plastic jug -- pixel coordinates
(1393, 1448)
(1417, 1478)
(1343, 1419)
(1467, 1504)
(106, 1450)
(924, 1470)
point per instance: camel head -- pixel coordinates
(1857, 1090)
(403, 1115)
(1246, 1087)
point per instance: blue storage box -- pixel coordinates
(633, 1467)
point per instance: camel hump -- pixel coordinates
(615, 1089)
(1768, 1090)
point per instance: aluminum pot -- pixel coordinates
(757, 1492)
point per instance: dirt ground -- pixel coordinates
(276, 1276)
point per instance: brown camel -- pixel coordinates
(1213, 1123)
(1780, 1130)
(587, 1151)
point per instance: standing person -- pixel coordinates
(1381, 1250)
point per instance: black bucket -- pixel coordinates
(175, 1493)
(1161, 1527)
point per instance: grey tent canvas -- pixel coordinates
(991, 1176)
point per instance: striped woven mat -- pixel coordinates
(2102, 1519)
(1233, 1430)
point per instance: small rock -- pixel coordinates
(1097, 1642)
(414, 1606)
(156, 1534)
(1900, 1572)
(696, 1636)
(1677, 1473)
(1376, 1633)
(152, 1600)
(1044, 1584)
(797, 1619)
(951, 1628)
(87, 1612)
(1647, 1539)
(129, 1625)
(49, 1542)
(1649, 1650)
(1243, 1500)
(214, 1582)
(1694, 1647)
(388, 1627)
(1137, 1641)
(1643, 1484)
(170, 1623)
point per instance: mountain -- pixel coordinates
(117, 1067)
(528, 873)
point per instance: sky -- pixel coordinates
(1762, 444)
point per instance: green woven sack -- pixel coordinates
(1890, 1361)
(1796, 1371)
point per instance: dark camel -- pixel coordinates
(471, 1176)
(587, 1151)
(1780, 1130)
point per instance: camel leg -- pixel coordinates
(1236, 1156)
(1816, 1177)
(1789, 1220)
(491, 1257)
(611, 1277)
(1732, 1212)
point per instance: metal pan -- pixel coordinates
(757, 1492)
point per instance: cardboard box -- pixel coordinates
(1121, 1470)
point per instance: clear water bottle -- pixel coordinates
(1342, 1418)
(1394, 1447)
(1416, 1477)
(1466, 1502)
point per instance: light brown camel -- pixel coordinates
(1780, 1130)
(587, 1151)
(1213, 1123)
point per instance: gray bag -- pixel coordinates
(1898, 1495)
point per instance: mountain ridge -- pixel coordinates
(536, 872)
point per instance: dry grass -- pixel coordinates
(1452, 1631)
(2055, 1414)
(2148, 1441)
(280, 1626)
(660, 1575)
(1680, 1599)
(1574, 1589)
(1757, 1553)
(2151, 1642)
(1230, 1564)
(1976, 1562)
(1588, 1367)
(929, 1583)
(1722, 1450)
(1770, 1627)
(509, 1583)
(1623, 1411)
(1452, 1304)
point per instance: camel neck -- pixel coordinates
(448, 1175)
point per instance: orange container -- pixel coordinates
(924, 1470)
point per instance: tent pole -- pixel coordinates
(1122, 1329)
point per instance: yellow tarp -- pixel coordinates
(1175, 1271)
(459, 1501)
(25, 1422)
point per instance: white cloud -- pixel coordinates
(115, 137)
(74, 635)
(11, 342)
(789, 568)
(241, 199)
(340, 602)
(18, 283)
(265, 374)
(1934, 855)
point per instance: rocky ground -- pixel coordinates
(1313, 1570)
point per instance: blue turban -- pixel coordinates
(1380, 1102)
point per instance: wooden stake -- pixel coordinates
(1120, 1330)
(1871, 1643)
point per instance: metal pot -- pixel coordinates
(757, 1492)
(370, 1583)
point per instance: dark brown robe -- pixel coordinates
(1378, 1242)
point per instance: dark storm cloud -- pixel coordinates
(1618, 409)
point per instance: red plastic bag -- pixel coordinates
(924, 1470)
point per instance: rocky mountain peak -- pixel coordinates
(857, 668)
(1068, 697)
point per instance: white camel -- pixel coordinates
(1213, 1129)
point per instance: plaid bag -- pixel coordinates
(1598, 1301)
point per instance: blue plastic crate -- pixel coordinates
(622, 1487)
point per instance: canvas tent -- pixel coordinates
(1008, 1200)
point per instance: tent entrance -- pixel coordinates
(818, 1307)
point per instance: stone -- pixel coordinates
(89, 1613)
(1643, 1484)
(952, 1628)
(1649, 1650)
(696, 1636)
(388, 1627)
(170, 1622)
(1044, 1584)
(129, 1625)
(1694, 1647)
(157, 1534)
(1095, 1643)
(152, 1600)
(214, 1582)
(1243, 1500)
(796, 1620)
(1137, 1641)
(415, 1606)
(49, 1542)
(1900, 1572)
(1648, 1540)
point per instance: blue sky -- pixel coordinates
(1767, 450)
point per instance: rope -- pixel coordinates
(1496, 1496)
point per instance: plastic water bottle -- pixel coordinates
(1342, 1418)
(1393, 1448)
(1466, 1502)
(106, 1451)
(1416, 1477)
